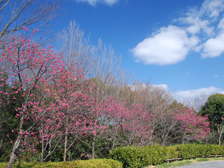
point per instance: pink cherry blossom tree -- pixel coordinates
(55, 99)
(193, 125)
(130, 122)
(26, 67)
(73, 109)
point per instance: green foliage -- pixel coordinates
(138, 157)
(8, 121)
(155, 154)
(94, 163)
(172, 152)
(130, 156)
(214, 108)
(187, 151)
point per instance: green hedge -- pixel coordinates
(137, 157)
(130, 156)
(93, 163)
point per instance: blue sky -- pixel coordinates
(177, 44)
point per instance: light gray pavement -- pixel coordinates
(210, 164)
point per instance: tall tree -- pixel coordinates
(26, 66)
(214, 108)
(74, 48)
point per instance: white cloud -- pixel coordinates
(222, 92)
(94, 2)
(159, 86)
(221, 24)
(212, 7)
(199, 29)
(198, 48)
(216, 76)
(195, 23)
(186, 94)
(213, 47)
(196, 98)
(168, 46)
(202, 19)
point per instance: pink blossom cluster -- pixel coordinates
(194, 125)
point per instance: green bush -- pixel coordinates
(186, 151)
(137, 157)
(130, 156)
(154, 154)
(93, 163)
(172, 152)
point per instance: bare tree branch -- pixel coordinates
(26, 13)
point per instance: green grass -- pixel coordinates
(184, 162)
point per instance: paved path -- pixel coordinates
(209, 164)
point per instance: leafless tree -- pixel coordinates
(98, 63)
(199, 101)
(15, 14)
(75, 49)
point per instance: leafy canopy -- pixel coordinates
(214, 108)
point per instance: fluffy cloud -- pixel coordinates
(94, 2)
(196, 24)
(205, 20)
(213, 47)
(168, 46)
(199, 29)
(186, 94)
(212, 7)
(200, 25)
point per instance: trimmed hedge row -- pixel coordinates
(94, 163)
(137, 157)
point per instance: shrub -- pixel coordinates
(137, 157)
(94, 163)
(186, 151)
(155, 154)
(172, 152)
(130, 156)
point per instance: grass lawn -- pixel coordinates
(184, 162)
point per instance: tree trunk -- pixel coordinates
(65, 147)
(93, 147)
(1, 141)
(42, 152)
(49, 151)
(13, 156)
(66, 138)
(16, 145)
(220, 135)
(182, 138)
